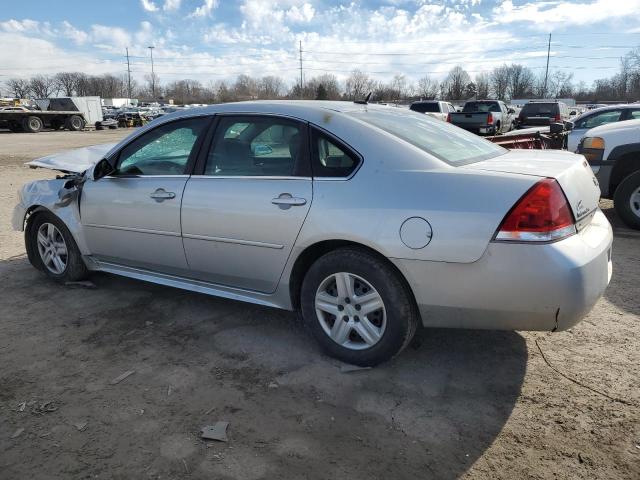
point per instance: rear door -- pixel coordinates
(242, 212)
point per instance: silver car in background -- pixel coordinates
(369, 220)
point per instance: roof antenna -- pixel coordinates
(363, 102)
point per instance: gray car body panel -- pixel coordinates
(396, 181)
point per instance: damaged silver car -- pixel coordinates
(369, 220)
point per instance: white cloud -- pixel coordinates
(110, 36)
(565, 13)
(303, 14)
(171, 5)
(149, 6)
(74, 34)
(205, 9)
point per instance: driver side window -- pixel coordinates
(162, 151)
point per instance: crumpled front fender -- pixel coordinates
(45, 194)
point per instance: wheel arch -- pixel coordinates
(624, 165)
(311, 253)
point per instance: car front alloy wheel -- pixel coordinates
(52, 248)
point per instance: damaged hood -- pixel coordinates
(73, 161)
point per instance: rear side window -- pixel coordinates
(425, 107)
(440, 139)
(331, 158)
(540, 110)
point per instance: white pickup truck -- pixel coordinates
(434, 108)
(613, 151)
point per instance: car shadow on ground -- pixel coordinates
(429, 413)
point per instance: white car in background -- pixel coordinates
(434, 108)
(597, 117)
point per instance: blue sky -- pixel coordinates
(217, 39)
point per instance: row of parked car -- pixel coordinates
(608, 137)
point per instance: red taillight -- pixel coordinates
(489, 119)
(541, 215)
(449, 117)
(557, 118)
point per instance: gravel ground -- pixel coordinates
(457, 404)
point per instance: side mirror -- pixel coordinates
(511, 111)
(569, 125)
(102, 169)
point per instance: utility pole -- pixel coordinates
(546, 73)
(301, 96)
(153, 75)
(128, 75)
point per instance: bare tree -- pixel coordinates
(500, 82)
(521, 80)
(456, 83)
(358, 85)
(42, 86)
(560, 84)
(482, 85)
(428, 88)
(399, 88)
(67, 82)
(245, 88)
(19, 87)
(271, 87)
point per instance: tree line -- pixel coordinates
(505, 82)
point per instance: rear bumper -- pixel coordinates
(516, 286)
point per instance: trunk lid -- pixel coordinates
(73, 161)
(571, 171)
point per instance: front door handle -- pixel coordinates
(286, 200)
(160, 195)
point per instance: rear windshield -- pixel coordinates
(539, 110)
(444, 141)
(481, 107)
(425, 107)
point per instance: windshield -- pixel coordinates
(440, 139)
(481, 107)
(425, 107)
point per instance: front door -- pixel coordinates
(132, 217)
(241, 216)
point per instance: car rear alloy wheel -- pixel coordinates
(52, 248)
(350, 311)
(358, 307)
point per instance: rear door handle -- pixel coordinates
(160, 195)
(286, 200)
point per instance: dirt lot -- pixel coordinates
(469, 404)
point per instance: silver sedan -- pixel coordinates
(369, 220)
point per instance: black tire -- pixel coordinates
(74, 123)
(622, 200)
(401, 313)
(32, 124)
(75, 268)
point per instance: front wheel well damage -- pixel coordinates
(317, 250)
(30, 216)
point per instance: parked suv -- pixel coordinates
(613, 151)
(542, 114)
(433, 108)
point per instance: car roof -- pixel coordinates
(283, 106)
